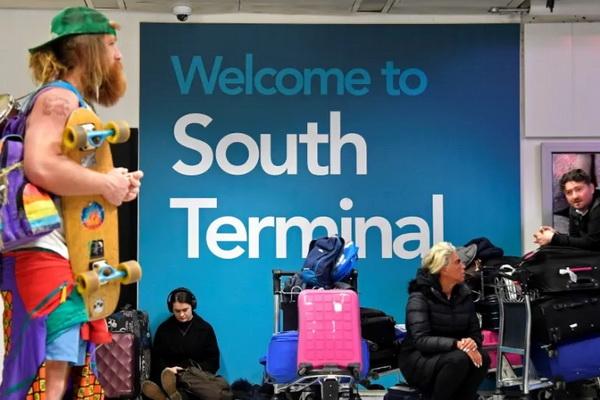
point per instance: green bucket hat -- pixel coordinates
(77, 21)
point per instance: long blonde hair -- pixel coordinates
(57, 60)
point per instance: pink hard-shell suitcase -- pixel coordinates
(329, 331)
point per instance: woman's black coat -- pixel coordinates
(434, 324)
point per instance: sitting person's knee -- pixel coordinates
(457, 359)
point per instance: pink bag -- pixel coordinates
(490, 344)
(329, 330)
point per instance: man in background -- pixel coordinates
(584, 214)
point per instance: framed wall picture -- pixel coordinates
(559, 158)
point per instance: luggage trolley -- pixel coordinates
(325, 383)
(515, 337)
(285, 300)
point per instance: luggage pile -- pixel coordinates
(324, 342)
(565, 314)
(481, 275)
(322, 352)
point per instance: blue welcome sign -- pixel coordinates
(256, 139)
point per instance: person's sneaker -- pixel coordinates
(168, 381)
(153, 391)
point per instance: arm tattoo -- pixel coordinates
(55, 105)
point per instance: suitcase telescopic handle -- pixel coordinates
(575, 304)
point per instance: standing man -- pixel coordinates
(79, 66)
(584, 214)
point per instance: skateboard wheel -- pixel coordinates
(74, 137)
(132, 270)
(88, 282)
(120, 129)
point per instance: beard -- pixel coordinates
(113, 87)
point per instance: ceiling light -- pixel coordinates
(373, 6)
(508, 10)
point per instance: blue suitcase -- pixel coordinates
(281, 365)
(281, 361)
(569, 361)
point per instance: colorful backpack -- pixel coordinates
(26, 211)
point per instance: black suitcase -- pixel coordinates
(118, 369)
(289, 309)
(489, 310)
(379, 329)
(382, 360)
(565, 318)
(560, 269)
(129, 320)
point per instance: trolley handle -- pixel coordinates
(277, 275)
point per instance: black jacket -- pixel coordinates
(584, 231)
(176, 343)
(434, 324)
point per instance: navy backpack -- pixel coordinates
(322, 256)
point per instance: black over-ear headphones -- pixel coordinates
(171, 300)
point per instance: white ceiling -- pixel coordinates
(563, 8)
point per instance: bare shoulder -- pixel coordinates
(55, 102)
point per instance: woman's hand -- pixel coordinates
(174, 370)
(466, 344)
(475, 357)
(469, 346)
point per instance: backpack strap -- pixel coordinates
(69, 86)
(16, 125)
(60, 84)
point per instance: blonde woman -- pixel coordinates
(442, 354)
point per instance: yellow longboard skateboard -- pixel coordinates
(91, 222)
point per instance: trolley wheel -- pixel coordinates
(87, 282)
(353, 395)
(292, 395)
(544, 395)
(121, 131)
(560, 385)
(75, 137)
(132, 270)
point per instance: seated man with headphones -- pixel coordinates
(184, 338)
